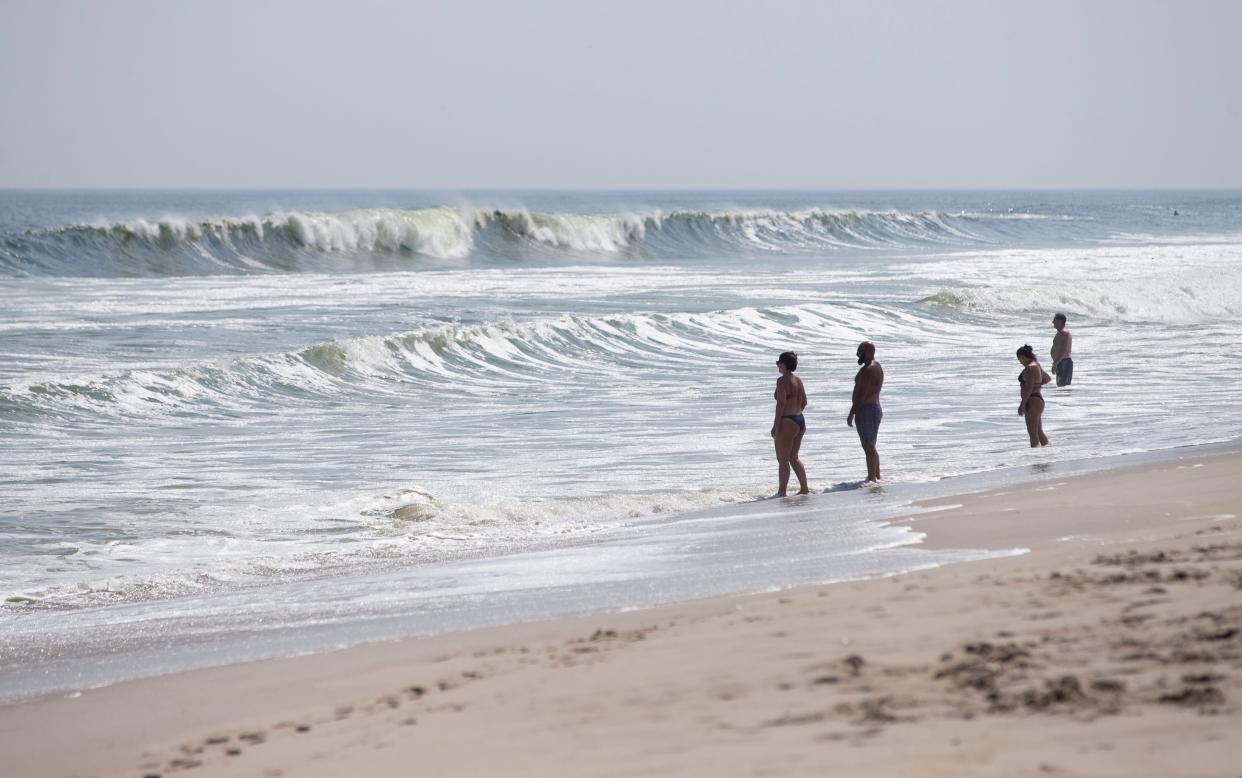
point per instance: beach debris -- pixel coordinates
(184, 763)
(1108, 686)
(795, 719)
(876, 711)
(1066, 690)
(1194, 697)
(1000, 674)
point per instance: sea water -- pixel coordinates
(244, 408)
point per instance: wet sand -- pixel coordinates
(1113, 648)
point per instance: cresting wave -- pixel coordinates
(1169, 284)
(494, 356)
(506, 355)
(1136, 301)
(393, 238)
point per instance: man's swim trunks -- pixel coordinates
(867, 421)
(1065, 372)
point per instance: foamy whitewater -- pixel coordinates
(359, 415)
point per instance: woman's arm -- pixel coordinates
(1043, 376)
(782, 394)
(1028, 385)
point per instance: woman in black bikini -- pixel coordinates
(789, 425)
(1031, 379)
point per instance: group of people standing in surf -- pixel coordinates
(789, 425)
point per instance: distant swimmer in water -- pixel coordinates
(1031, 379)
(1062, 348)
(865, 406)
(789, 425)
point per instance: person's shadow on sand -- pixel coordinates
(845, 486)
(795, 499)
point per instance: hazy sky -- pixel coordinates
(711, 94)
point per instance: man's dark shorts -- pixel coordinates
(1065, 372)
(867, 421)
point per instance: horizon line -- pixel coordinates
(617, 189)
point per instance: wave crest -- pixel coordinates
(1187, 298)
(315, 241)
(494, 355)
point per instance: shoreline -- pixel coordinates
(734, 549)
(824, 672)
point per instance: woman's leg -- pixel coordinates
(788, 438)
(1034, 422)
(781, 441)
(795, 462)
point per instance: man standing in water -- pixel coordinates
(866, 406)
(1062, 345)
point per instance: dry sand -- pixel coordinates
(1113, 649)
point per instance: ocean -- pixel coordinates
(238, 424)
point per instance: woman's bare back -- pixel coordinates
(790, 394)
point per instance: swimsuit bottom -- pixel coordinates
(796, 418)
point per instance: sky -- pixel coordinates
(712, 94)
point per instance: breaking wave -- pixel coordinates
(495, 356)
(1184, 298)
(384, 238)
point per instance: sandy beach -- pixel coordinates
(410, 389)
(1113, 648)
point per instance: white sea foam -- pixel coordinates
(1168, 284)
(362, 531)
(579, 232)
(565, 376)
(305, 241)
(491, 354)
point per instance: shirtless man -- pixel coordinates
(1062, 346)
(866, 406)
(789, 425)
